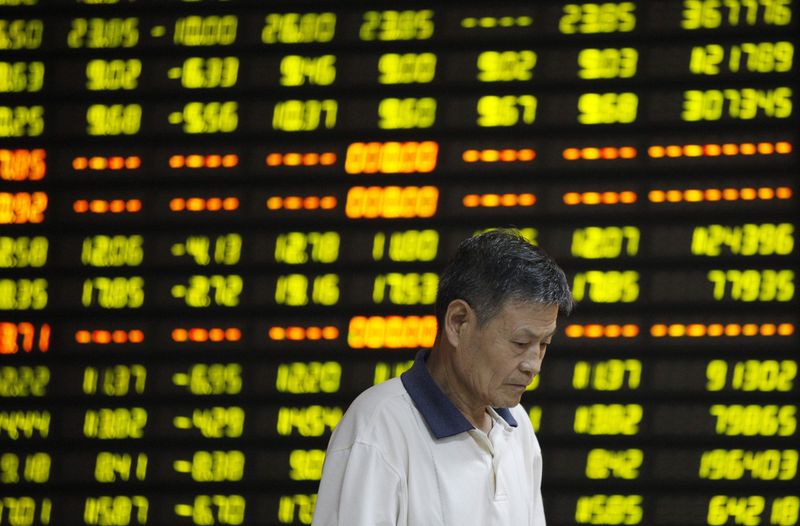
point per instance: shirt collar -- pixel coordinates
(443, 418)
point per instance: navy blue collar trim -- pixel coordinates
(443, 418)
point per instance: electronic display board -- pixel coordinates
(221, 221)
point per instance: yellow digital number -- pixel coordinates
(608, 375)
(752, 285)
(109, 75)
(226, 249)
(27, 510)
(712, 14)
(205, 30)
(209, 117)
(609, 509)
(306, 464)
(298, 508)
(117, 380)
(754, 420)
(535, 414)
(207, 72)
(23, 294)
(112, 251)
(115, 424)
(593, 18)
(21, 34)
(114, 119)
(749, 239)
(21, 121)
(297, 248)
(605, 464)
(297, 70)
(293, 290)
(214, 466)
(608, 108)
(212, 379)
(24, 424)
(214, 509)
(405, 289)
(608, 419)
(311, 421)
(386, 371)
(751, 375)
(103, 33)
(743, 510)
(737, 464)
(22, 252)
(608, 63)
(304, 115)
(508, 110)
(397, 25)
(32, 467)
(743, 104)
(407, 245)
(406, 113)
(23, 381)
(594, 242)
(406, 68)
(298, 28)
(113, 293)
(205, 291)
(308, 377)
(746, 57)
(120, 467)
(215, 422)
(21, 77)
(117, 510)
(785, 511)
(612, 286)
(505, 66)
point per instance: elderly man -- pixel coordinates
(447, 443)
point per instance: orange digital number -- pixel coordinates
(22, 165)
(391, 202)
(22, 207)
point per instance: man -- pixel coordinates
(447, 443)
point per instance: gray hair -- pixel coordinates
(491, 268)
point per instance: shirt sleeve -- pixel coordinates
(359, 488)
(538, 510)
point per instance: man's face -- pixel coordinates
(498, 360)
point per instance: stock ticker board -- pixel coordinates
(220, 222)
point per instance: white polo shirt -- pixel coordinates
(403, 455)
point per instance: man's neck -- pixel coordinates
(442, 373)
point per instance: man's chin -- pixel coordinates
(510, 400)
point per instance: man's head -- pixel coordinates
(500, 265)
(498, 302)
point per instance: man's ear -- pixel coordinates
(456, 320)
